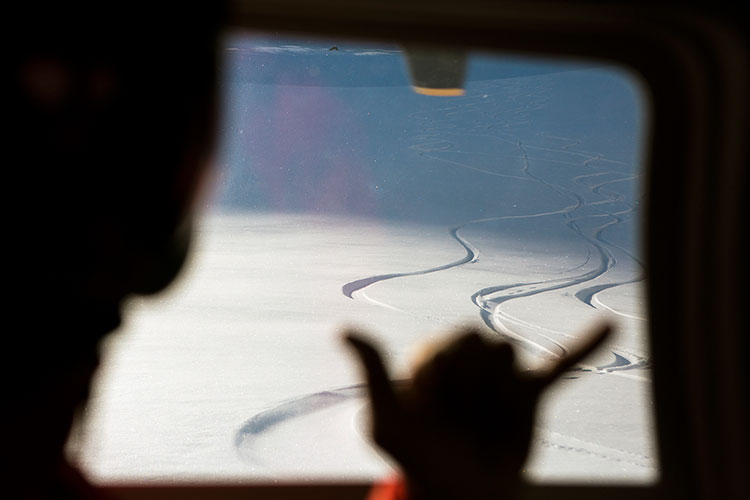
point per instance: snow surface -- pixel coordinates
(514, 207)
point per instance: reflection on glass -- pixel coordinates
(342, 196)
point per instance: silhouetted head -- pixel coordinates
(111, 115)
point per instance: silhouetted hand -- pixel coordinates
(461, 427)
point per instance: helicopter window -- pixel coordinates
(352, 189)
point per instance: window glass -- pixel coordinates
(341, 196)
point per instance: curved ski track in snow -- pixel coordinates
(490, 299)
(472, 254)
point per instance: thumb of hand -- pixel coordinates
(386, 407)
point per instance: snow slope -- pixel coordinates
(514, 207)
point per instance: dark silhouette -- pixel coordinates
(461, 427)
(109, 124)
